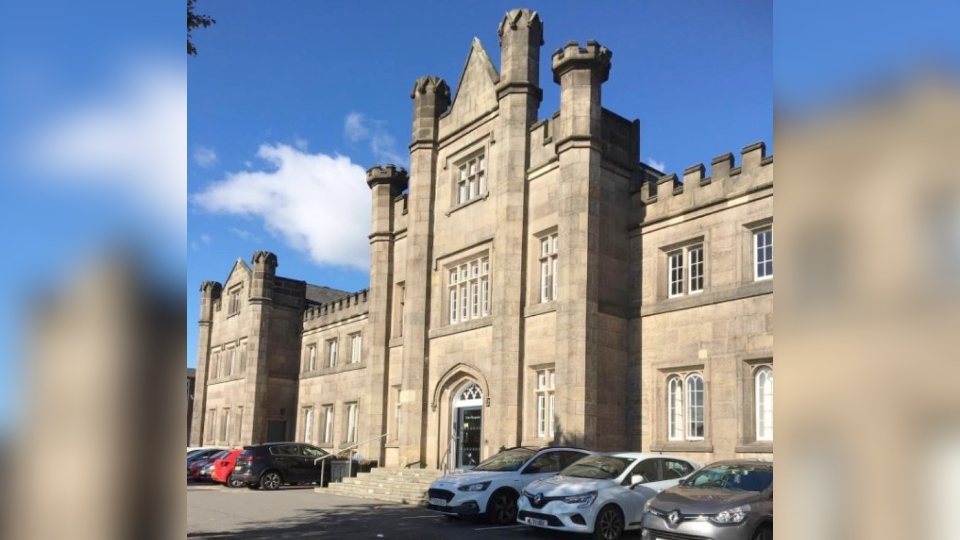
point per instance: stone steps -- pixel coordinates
(397, 485)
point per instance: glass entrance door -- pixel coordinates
(468, 436)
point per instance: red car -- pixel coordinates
(223, 467)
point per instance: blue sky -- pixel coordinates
(290, 101)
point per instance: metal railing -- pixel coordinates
(339, 451)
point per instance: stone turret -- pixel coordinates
(521, 36)
(431, 98)
(210, 292)
(580, 71)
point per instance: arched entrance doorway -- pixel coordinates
(467, 425)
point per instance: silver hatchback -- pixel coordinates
(726, 500)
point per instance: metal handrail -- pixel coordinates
(349, 461)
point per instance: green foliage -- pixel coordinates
(195, 21)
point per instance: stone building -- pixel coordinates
(248, 354)
(520, 283)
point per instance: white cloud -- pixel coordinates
(316, 203)
(658, 165)
(244, 234)
(129, 140)
(205, 157)
(357, 127)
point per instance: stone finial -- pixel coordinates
(390, 174)
(522, 18)
(211, 288)
(432, 84)
(573, 56)
(264, 258)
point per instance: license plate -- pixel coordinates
(438, 502)
(536, 522)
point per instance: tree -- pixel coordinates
(195, 21)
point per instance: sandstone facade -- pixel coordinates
(520, 287)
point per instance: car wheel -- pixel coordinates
(270, 480)
(609, 524)
(234, 482)
(502, 508)
(764, 533)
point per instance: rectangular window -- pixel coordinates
(401, 299)
(239, 424)
(396, 414)
(234, 301)
(232, 366)
(308, 425)
(215, 365)
(468, 290)
(243, 357)
(331, 353)
(695, 255)
(548, 268)
(351, 422)
(763, 254)
(546, 379)
(328, 424)
(471, 179)
(225, 426)
(356, 348)
(211, 428)
(686, 271)
(311, 357)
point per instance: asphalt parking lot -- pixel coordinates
(215, 512)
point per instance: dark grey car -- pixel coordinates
(726, 500)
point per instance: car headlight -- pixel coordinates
(583, 500)
(732, 516)
(475, 487)
(646, 505)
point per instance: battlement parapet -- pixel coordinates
(521, 18)
(668, 194)
(573, 56)
(431, 84)
(211, 288)
(342, 308)
(390, 174)
(265, 258)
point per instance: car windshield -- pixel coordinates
(508, 460)
(737, 477)
(602, 467)
(219, 455)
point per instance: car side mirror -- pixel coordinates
(637, 479)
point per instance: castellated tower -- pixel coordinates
(209, 295)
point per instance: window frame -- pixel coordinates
(761, 435)
(681, 411)
(352, 409)
(356, 347)
(686, 266)
(468, 289)
(332, 352)
(756, 235)
(328, 419)
(545, 392)
(311, 357)
(470, 183)
(549, 266)
(308, 424)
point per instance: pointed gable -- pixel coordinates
(476, 92)
(239, 272)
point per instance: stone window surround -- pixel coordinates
(238, 290)
(444, 264)
(452, 165)
(393, 401)
(322, 425)
(534, 258)
(323, 370)
(533, 372)
(308, 434)
(662, 272)
(661, 441)
(223, 349)
(746, 369)
(399, 300)
(344, 403)
(746, 268)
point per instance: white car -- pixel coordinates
(493, 487)
(601, 494)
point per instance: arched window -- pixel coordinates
(675, 409)
(469, 396)
(763, 385)
(694, 409)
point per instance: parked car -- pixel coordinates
(601, 494)
(727, 500)
(271, 465)
(202, 453)
(197, 469)
(223, 469)
(493, 487)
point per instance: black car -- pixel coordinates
(271, 465)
